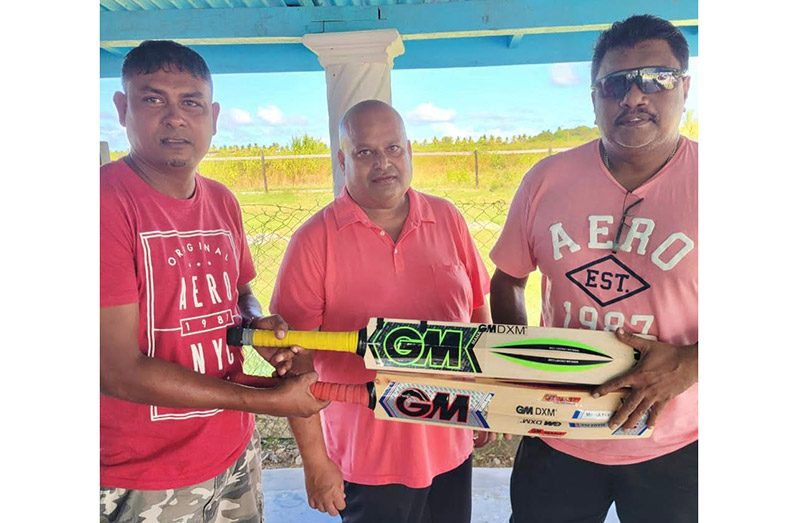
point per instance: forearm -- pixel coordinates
(157, 382)
(309, 439)
(481, 314)
(507, 303)
(127, 373)
(691, 360)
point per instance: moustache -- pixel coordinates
(387, 172)
(628, 114)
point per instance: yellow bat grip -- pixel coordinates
(332, 341)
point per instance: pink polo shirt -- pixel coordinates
(339, 270)
(563, 220)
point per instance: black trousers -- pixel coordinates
(549, 486)
(446, 500)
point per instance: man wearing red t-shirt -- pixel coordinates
(613, 228)
(177, 438)
(380, 249)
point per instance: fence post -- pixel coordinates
(105, 153)
(476, 169)
(263, 170)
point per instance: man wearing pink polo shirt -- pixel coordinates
(612, 226)
(380, 249)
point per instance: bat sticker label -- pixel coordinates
(536, 411)
(545, 423)
(544, 432)
(442, 404)
(417, 345)
(587, 425)
(637, 430)
(503, 329)
(566, 400)
(592, 414)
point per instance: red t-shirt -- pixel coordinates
(182, 262)
(339, 270)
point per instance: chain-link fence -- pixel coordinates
(268, 228)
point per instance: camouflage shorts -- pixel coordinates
(234, 496)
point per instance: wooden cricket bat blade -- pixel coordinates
(523, 409)
(516, 352)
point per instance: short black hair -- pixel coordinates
(154, 55)
(635, 29)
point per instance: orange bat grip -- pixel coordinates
(356, 394)
(332, 341)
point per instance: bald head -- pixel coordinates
(375, 155)
(367, 110)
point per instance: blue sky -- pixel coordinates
(502, 101)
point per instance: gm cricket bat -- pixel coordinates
(514, 352)
(510, 408)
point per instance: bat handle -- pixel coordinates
(355, 394)
(333, 341)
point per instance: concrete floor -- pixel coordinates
(285, 500)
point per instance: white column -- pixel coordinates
(358, 67)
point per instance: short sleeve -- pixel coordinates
(472, 260)
(513, 252)
(246, 267)
(118, 285)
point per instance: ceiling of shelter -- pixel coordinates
(241, 36)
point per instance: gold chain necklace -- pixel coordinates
(606, 159)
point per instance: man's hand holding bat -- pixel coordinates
(663, 372)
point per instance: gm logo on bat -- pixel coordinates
(397, 344)
(447, 347)
(415, 403)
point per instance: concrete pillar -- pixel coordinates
(358, 67)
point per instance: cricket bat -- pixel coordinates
(512, 352)
(510, 408)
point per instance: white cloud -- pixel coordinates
(272, 115)
(109, 115)
(240, 116)
(564, 74)
(298, 120)
(429, 113)
(453, 130)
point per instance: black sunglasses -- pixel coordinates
(648, 79)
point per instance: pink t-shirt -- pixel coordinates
(563, 221)
(341, 269)
(181, 261)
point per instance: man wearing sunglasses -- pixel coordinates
(612, 226)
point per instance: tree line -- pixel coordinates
(569, 137)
